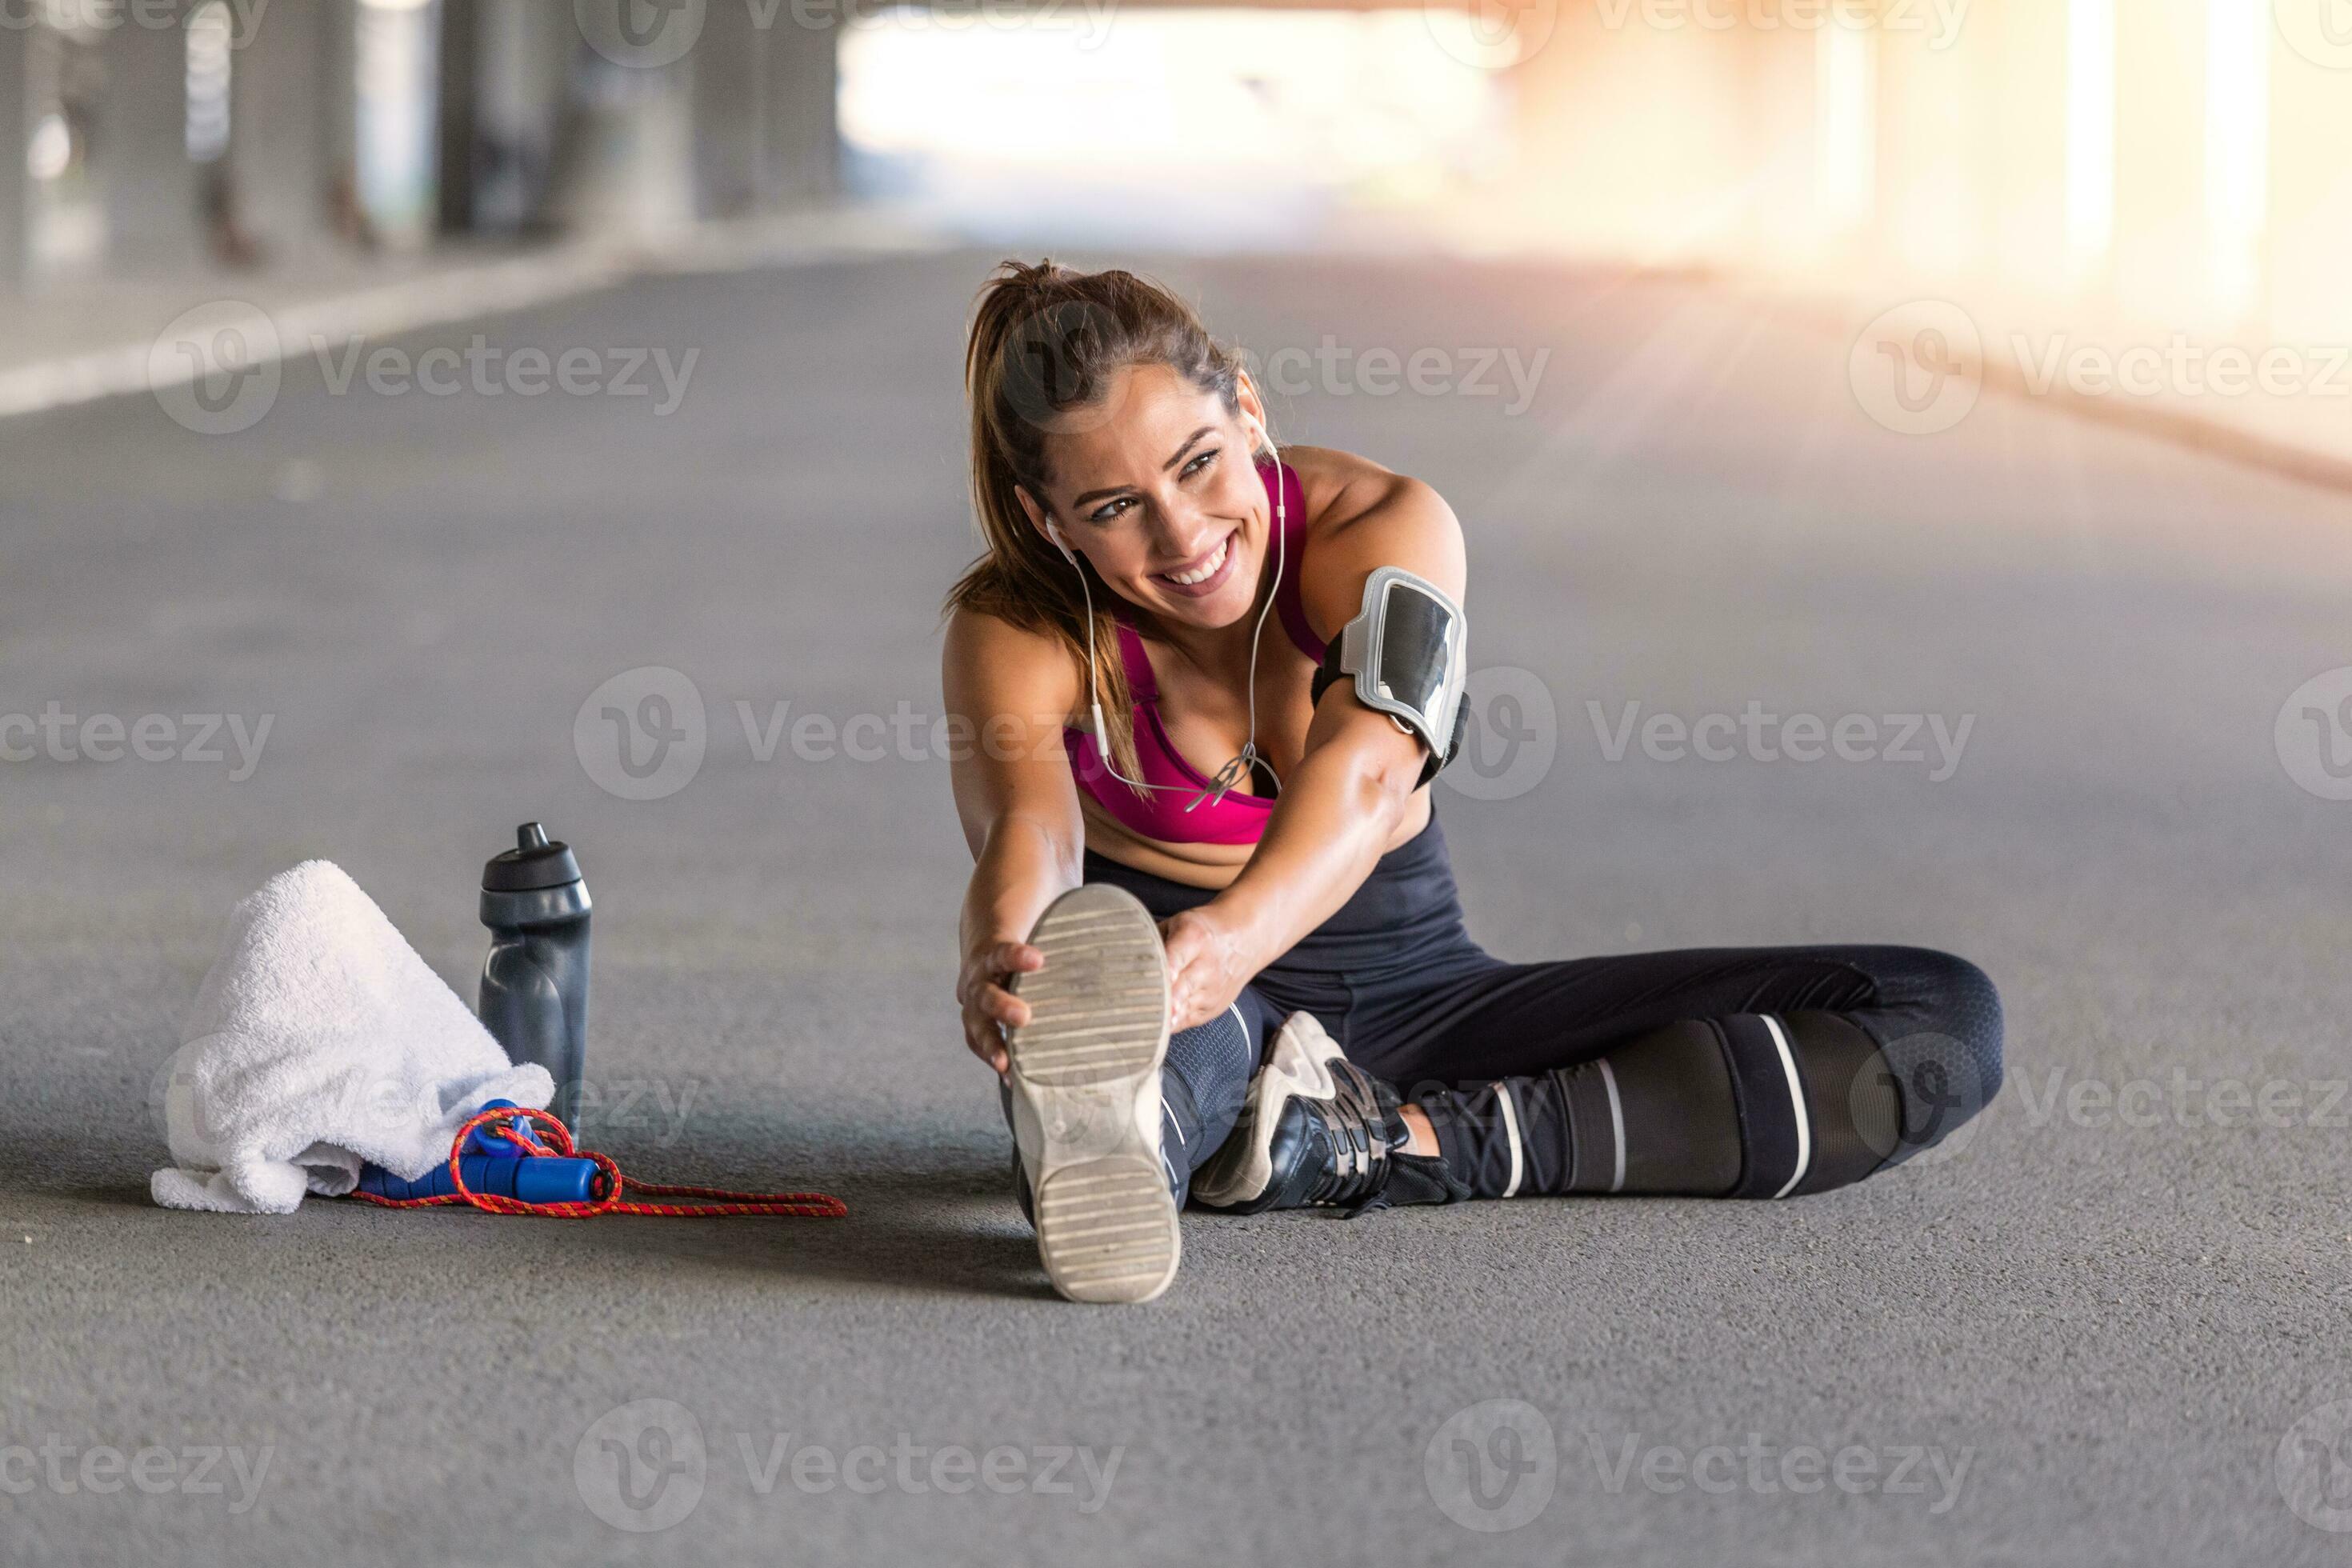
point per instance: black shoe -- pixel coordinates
(1315, 1130)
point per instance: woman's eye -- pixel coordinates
(1109, 510)
(1201, 462)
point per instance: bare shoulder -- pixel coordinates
(990, 662)
(1362, 517)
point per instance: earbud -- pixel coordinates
(1054, 532)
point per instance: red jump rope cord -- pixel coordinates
(614, 1186)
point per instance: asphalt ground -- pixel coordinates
(2110, 1325)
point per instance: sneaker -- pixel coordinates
(1085, 1091)
(1315, 1130)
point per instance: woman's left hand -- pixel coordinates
(1207, 967)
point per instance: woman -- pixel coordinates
(1212, 944)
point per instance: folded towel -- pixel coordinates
(320, 1041)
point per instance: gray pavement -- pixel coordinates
(2102, 1330)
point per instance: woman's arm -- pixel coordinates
(1345, 802)
(1008, 690)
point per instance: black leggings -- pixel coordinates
(1759, 1072)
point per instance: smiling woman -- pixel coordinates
(1212, 927)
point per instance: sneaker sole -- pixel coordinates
(1081, 1070)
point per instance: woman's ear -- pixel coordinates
(1253, 411)
(1044, 524)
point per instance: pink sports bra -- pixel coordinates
(1160, 814)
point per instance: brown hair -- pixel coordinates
(1046, 342)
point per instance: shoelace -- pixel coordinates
(717, 1201)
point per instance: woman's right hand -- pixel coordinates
(989, 1005)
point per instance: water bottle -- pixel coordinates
(535, 982)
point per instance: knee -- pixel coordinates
(1965, 1006)
(1943, 1043)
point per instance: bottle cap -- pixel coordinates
(533, 863)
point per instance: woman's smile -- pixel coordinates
(1204, 573)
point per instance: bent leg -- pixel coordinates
(1723, 1072)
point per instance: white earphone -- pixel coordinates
(1231, 775)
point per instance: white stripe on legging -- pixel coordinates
(1511, 1131)
(1796, 1107)
(1616, 1123)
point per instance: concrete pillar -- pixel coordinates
(2160, 248)
(800, 97)
(2310, 191)
(1939, 99)
(459, 108)
(280, 147)
(527, 49)
(2027, 131)
(16, 134)
(731, 81)
(153, 219)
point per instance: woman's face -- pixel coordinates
(1157, 487)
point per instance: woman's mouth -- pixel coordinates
(1199, 578)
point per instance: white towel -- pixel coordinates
(318, 1041)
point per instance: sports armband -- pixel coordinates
(1407, 654)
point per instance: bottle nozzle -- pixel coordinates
(530, 836)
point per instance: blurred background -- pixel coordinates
(2141, 168)
(422, 416)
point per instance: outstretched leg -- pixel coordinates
(1721, 1073)
(1736, 1073)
